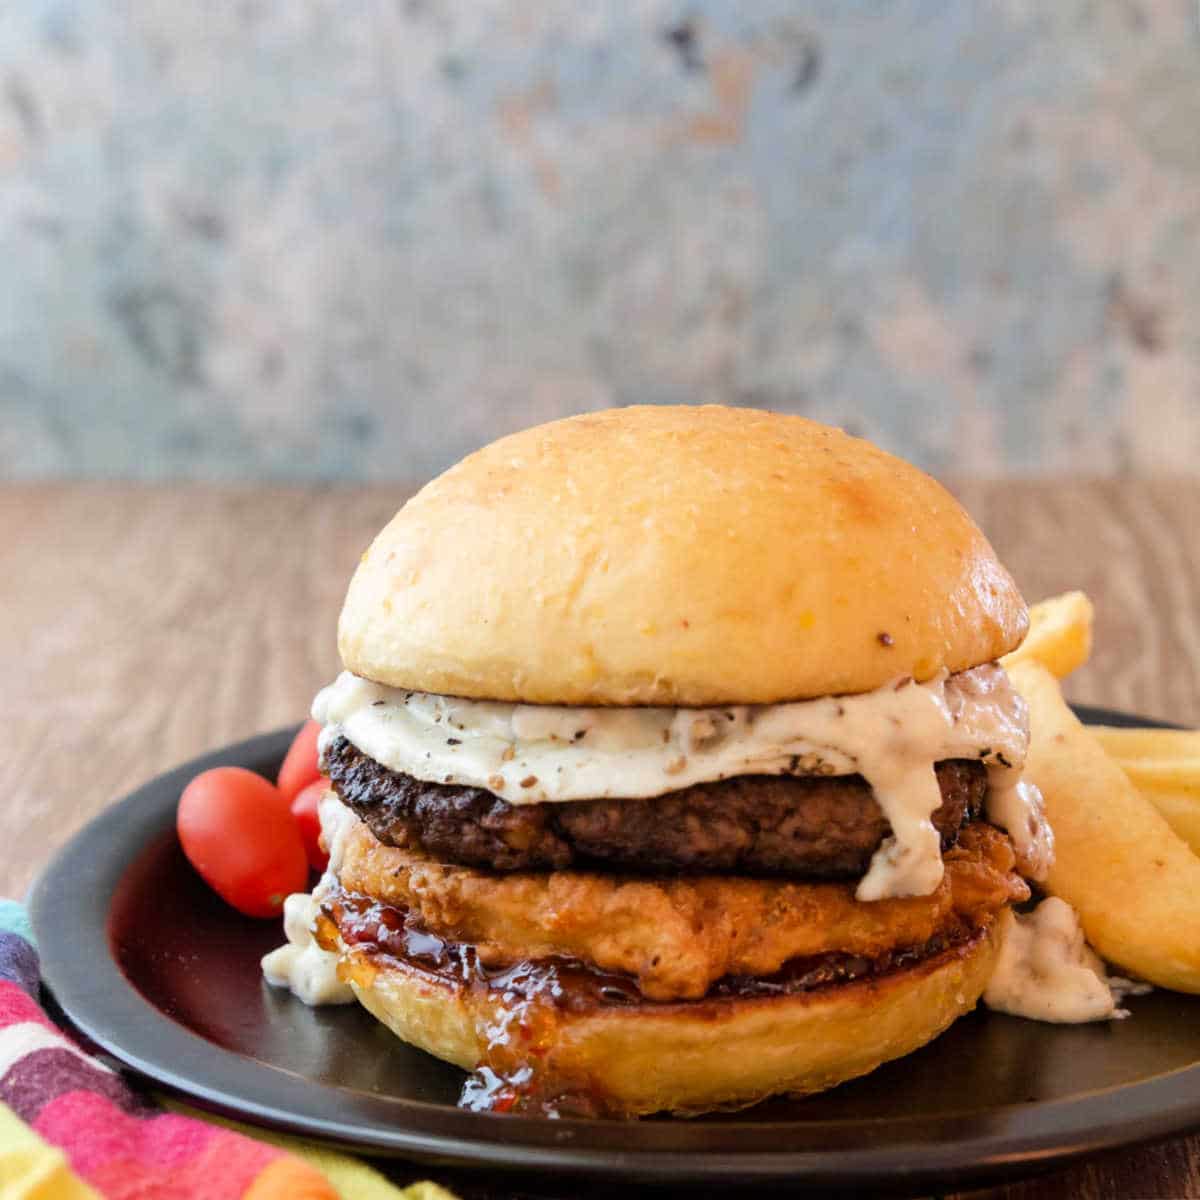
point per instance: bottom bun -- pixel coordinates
(685, 1057)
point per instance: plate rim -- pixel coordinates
(78, 886)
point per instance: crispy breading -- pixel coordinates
(677, 935)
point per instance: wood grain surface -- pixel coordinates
(142, 626)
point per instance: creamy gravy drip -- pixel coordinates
(1047, 972)
(1016, 805)
(300, 965)
(531, 754)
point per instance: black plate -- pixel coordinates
(151, 966)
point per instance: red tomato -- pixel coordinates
(304, 813)
(300, 763)
(237, 832)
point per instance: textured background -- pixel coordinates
(324, 239)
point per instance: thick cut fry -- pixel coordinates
(1180, 810)
(1060, 635)
(1164, 766)
(1166, 746)
(1135, 885)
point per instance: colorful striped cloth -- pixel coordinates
(70, 1127)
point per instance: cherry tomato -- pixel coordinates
(304, 813)
(236, 830)
(300, 763)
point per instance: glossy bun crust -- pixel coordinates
(688, 555)
(698, 1056)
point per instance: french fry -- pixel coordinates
(1164, 766)
(1181, 810)
(1134, 883)
(1060, 635)
(1142, 743)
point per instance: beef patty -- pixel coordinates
(820, 827)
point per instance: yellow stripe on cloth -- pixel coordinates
(32, 1170)
(350, 1177)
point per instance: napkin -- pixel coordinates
(72, 1128)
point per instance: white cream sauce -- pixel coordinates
(337, 823)
(300, 965)
(1047, 972)
(530, 754)
(1016, 805)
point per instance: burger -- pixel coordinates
(672, 766)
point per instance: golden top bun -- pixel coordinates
(683, 555)
(695, 1056)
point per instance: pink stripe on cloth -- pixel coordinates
(220, 1173)
(16, 1006)
(168, 1156)
(37, 1077)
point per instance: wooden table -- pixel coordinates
(144, 625)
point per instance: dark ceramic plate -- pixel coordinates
(149, 964)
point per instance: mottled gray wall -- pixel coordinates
(338, 239)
